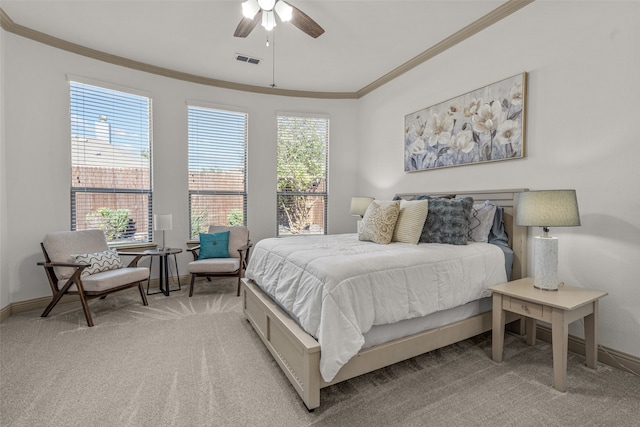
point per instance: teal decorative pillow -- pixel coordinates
(99, 261)
(214, 245)
(447, 221)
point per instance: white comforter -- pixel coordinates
(338, 287)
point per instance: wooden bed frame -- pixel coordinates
(298, 354)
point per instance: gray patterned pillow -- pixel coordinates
(481, 221)
(447, 221)
(99, 261)
(379, 221)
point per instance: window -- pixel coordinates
(111, 163)
(302, 175)
(217, 168)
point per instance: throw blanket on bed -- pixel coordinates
(337, 287)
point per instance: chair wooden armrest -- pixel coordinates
(194, 251)
(134, 261)
(244, 255)
(245, 247)
(62, 264)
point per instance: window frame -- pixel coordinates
(203, 106)
(144, 233)
(322, 194)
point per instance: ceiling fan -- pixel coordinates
(265, 11)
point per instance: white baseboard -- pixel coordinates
(606, 355)
(42, 302)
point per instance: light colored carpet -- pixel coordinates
(197, 362)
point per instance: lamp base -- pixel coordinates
(545, 273)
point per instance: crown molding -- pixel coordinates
(475, 27)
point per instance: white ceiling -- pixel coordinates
(363, 40)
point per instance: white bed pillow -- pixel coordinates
(411, 220)
(379, 221)
(481, 221)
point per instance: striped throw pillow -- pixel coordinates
(411, 220)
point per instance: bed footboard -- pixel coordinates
(297, 353)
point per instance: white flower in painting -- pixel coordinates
(516, 96)
(438, 129)
(488, 117)
(508, 132)
(454, 109)
(473, 107)
(463, 141)
(415, 128)
(416, 147)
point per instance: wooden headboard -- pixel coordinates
(506, 199)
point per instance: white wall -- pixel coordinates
(38, 153)
(583, 64)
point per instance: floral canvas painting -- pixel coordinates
(484, 125)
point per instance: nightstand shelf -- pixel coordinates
(561, 307)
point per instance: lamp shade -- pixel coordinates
(359, 205)
(547, 208)
(162, 222)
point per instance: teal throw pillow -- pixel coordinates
(214, 245)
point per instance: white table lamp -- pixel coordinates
(162, 223)
(359, 206)
(547, 208)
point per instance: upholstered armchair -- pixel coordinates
(81, 263)
(224, 251)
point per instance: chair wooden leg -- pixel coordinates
(54, 301)
(57, 295)
(85, 307)
(238, 294)
(193, 278)
(142, 295)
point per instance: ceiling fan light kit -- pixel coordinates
(265, 11)
(268, 20)
(250, 9)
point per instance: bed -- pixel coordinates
(379, 343)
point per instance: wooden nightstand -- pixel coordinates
(559, 308)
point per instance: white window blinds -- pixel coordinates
(303, 148)
(217, 168)
(111, 163)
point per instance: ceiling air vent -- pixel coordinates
(246, 58)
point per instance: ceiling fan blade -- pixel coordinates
(306, 24)
(247, 25)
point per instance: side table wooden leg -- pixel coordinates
(559, 339)
(591, 337)
(531, 330)
(497, 333)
